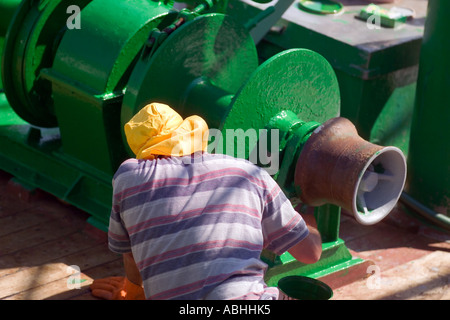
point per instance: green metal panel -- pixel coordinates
(393, 124)
(429, 151)
(34, 157)
(112, 45)
(88, 85)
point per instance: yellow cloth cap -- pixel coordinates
(159, 130)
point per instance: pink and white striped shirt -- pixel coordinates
(196, 225)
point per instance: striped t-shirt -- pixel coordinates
(196, 225)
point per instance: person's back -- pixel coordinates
(197, 224)
(192, 225)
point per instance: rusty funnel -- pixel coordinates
(337, 166)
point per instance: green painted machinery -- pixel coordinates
(393, 82)
(429, 185)
(73, 75)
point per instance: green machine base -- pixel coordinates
(335, 258)
(34, 157)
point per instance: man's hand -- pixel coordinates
(117, 288)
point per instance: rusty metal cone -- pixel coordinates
(337, 166)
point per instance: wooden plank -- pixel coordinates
(10, 205)
(41, 275)
(31, 277)
(46, 252)
(38, 234)
(55, 290)
(20, 221)
(426, 278)
(59, 290)
(39, 240)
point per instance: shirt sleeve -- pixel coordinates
(118, 238)
(283, 227)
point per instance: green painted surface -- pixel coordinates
(7, 10)
(393, 124)
(34, 157)
(335, 257)
(87, 85)
(429, 151)
(7, 115)
(298, 80)
(320, 6)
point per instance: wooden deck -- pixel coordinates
(41, 238)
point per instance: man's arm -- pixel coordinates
(131, 270)
(309, 249)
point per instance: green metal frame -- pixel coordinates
(34, 157)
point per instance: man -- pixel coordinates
(192, 225)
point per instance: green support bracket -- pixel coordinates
(335, 258)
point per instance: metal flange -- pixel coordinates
(29, 47)
(298, 80)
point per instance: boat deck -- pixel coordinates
(43, 242)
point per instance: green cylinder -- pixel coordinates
(429, 151)
(304, 288)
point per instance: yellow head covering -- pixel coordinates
(159, 130)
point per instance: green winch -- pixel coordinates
(72, 76)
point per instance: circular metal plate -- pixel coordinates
(213, 46)
(299, 80)
(321, 6)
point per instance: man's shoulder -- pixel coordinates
(127, 166)
(229, 161)
(248, 168)
(205, 161)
